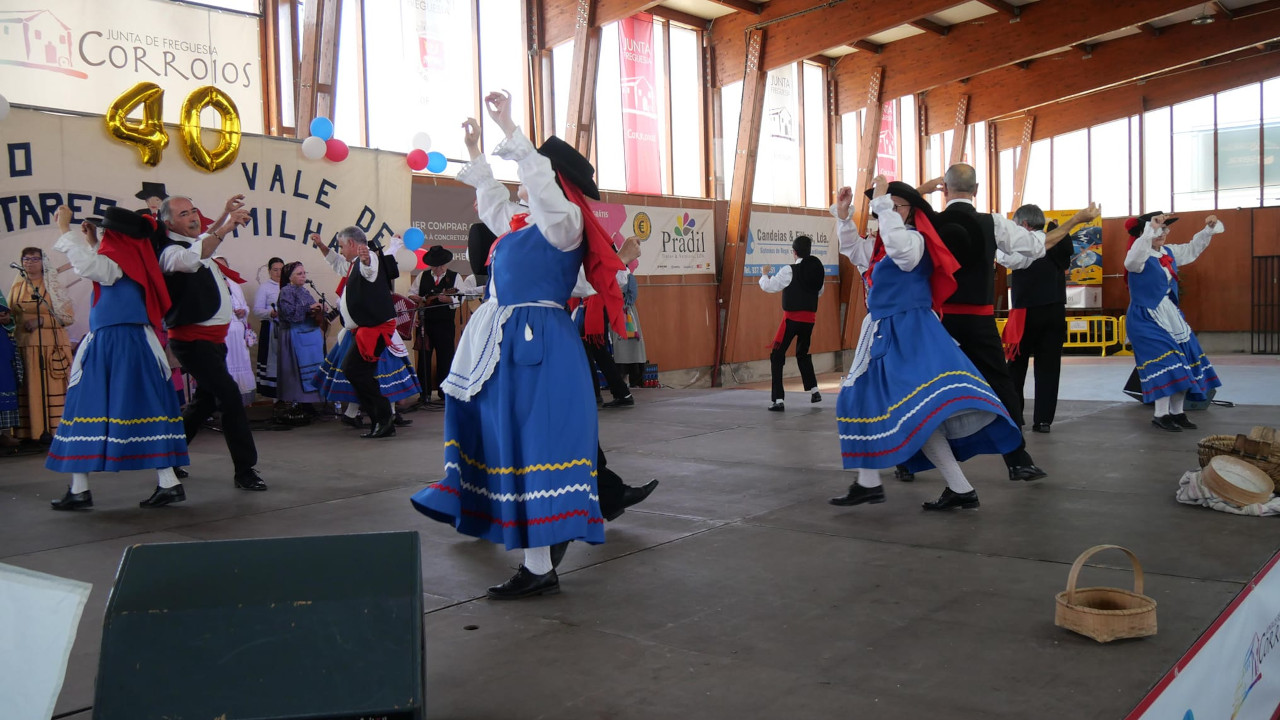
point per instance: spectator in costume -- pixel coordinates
(301, 343)
(265, 311)
(41, 313)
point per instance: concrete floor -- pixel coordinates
(736, 591)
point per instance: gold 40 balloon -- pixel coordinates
(149, 136)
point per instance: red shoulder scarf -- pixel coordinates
(137, 260)
(942, 282)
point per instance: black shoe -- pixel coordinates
(950, 500)
(400, 421)
(633, 495)
(1040, 428)
(900, 472)
(1026, 473)
(73, 501)
(1166, 422)
(354, 422)
(627, 401)
(777, 406)
(381, 430)
(249, 480)
(1181, 420)
(181, 474)
(525, 584)
(858, 494)
(165, 496)
(557, 553)
(815, 397)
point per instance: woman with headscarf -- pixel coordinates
(41, 314)
(121, 412)
(301, 342)
(912, 397)
(520, 426)
(239, 336)
(10, 378)
(264, 309)
(1171, 364)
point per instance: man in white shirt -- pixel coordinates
(800, 284)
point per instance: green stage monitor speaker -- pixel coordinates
(323, 627)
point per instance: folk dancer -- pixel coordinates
(801, 284)
(437, 301)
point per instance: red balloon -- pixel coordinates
(336, 150)
(420, 253)
(417, 160)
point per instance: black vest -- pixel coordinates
(971, 238)
(427, 285)
(369, 303)
(195, 297)
(807, 277)
(1045, 281)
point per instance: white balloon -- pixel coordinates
(313, 148)
(422, 141)
(4, 107)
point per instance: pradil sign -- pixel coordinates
(81, 54)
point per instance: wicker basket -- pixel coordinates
(1104, 613)
(1259, 448)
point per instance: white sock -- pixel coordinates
(1162, 406)
(353, 409)
(538, 560)
(868, 478)
(165, 478)
(1175, 402)
(939, 453)
(79, 482)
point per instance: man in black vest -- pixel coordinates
(969, 314)
(197, 324)
(366, 303)
(437, 299)
(800, 284)
(1037, 325)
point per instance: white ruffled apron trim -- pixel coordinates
(162, 359)
(1170, 319)
(478, 351)
(862, 356)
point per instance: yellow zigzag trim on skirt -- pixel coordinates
(139, 421)
(520, 470)
(1171, 352)
(915, 392)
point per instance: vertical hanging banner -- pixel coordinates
(887, 150)
(778, 160)
(639, 105)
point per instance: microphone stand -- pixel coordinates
(324, 303)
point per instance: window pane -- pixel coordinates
(415, 59)
(815, 137)
(849, 124)
(686, 102)
(1193, 155)
(909, 169)
(285, 47)
(730, 109)
(348, 101)
(1271, 141)
(1239, 112)
(502, 67)
(777, 178)
(611, 172)
(1006, 181)
(1157, 138)
(1070, 171)
(1135, 165)
(561, 75)
(1109, 161)
(660, 79)
(1037, 190)
(978, 158)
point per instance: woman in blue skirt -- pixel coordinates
(396, 379)
(911, 398)
(1171, 365)
(121, 412)
(520, 421)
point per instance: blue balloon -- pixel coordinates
(413, 238)
(322, 127)
(436, 162)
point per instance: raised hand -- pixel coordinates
(766, 270)
(235, 202)
(844, 199)
(881, 184)
(1211, 221)
(471, 136)
(499, 106)
(63, 217)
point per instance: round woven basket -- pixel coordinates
(1260, 438)
(1104, 613)
(1236, 481)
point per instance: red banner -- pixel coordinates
(639, 105)
(887, 153)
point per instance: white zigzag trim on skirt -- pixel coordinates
(119, 441)
(1198, 376)
(919, 405)
(522, 497)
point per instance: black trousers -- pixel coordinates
(362, 374)
(1042, 339)
(599, 356)
(206, 361)
(437, 340)
(801, 332)
(980, 342)
(608, 484)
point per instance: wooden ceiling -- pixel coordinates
(1071, 63)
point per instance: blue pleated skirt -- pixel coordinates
(396, 378)
(1165, 366)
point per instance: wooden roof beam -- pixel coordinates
(1008, 91)
(930, 26)
(867, 46)
(1013, 11)
(561, 16)
(745, 6)
(683, 18)
(802, 28)
(913, 64)
(1149, 29)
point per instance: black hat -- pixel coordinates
(150, 190)
(1136, 225)
(908, 193)
(126, 222)
(437, 256)
(479, 240)
(570, 163)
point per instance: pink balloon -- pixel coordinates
(417, 160)
(336, 150)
